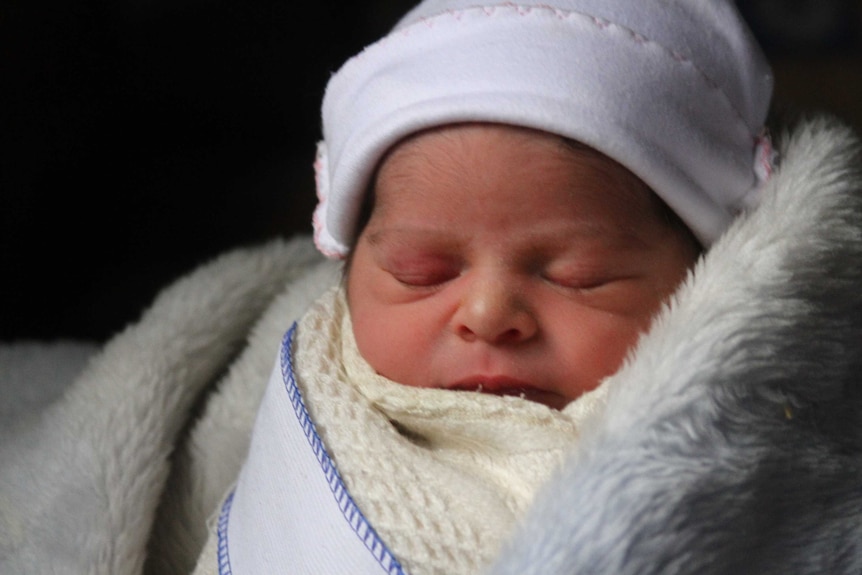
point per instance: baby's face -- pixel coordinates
(503, 260)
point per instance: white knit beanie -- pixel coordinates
(677, 91)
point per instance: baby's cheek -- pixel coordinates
(370, 336)
(599, 350)
(387, 342)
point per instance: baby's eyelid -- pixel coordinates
(425, 277)
(578, 284)
(576, 279)
(422, 281)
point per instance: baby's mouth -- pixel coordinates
(481, 388)
(505, 386)
(497, 386)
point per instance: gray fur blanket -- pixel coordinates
(731, 442)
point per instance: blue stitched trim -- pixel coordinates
(351, 512)
(223, 557)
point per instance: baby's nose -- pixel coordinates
(496, 311)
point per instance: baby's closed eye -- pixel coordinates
(422, 270)
(582, 277)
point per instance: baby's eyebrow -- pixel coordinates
(403, 235)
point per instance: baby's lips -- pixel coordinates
(498, 385)
(506, 386)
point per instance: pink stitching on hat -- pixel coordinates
(602, 24)
(765, 156)
(318, 225)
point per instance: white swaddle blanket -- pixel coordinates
(441, 476)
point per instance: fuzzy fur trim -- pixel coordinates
(79, 490)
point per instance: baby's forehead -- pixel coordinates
(599, 194)
(422, 149)
(482, 168)
(434, 154)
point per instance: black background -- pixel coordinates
(140, 139)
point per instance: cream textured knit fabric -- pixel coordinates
(443, 476)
